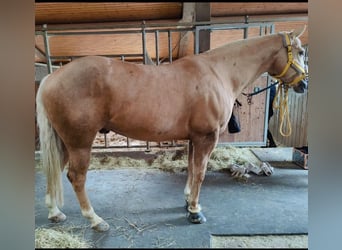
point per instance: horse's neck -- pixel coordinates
(243, 62)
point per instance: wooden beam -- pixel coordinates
(105, 12)
(258, 8)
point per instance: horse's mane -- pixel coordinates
(236, 44)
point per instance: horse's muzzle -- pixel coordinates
(301, 86)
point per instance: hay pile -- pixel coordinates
(177, 161)
(59, 238)
(174, 160)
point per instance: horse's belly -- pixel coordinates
(149, 135)
(151, 130)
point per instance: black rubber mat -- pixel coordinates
(145, 207)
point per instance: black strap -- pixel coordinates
(261, 90)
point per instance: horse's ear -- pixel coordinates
(297, 32)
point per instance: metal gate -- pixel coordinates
(248, 112)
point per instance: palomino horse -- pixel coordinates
(190, 99)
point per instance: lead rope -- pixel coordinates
(283, 96)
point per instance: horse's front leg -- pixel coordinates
(203, 145)
(190, 175)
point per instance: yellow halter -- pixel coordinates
(282, 92)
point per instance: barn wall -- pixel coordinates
(57, 13)
(252, 117)
(298, 110)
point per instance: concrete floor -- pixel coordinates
(145, 207)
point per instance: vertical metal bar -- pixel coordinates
(245, 30)
(47, 49)
(156, 34)
(143, 32)
(105, 138)
(197, 40)
(122, 57)
(148, 147)
(267, 103)
(272, 29)
(170, 45)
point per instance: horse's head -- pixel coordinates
(290, 62)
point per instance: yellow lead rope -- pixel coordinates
(283, 94)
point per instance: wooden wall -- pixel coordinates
(58, 13)
(252, 117)
(298, 110)
(97, 14)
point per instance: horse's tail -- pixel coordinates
(51, 150)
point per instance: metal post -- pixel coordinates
(145, 62)
(144, 43)
(47, 49)
(156, 34)
(170, 45)
(272, 29)
(245, 30)
(106, 141)
(196, 40)
(122, 58)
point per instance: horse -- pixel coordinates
(191, 99)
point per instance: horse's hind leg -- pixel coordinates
(202, 147)
(78, 165)
(55, 215)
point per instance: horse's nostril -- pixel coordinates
(301, 87)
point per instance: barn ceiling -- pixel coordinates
(104, 16)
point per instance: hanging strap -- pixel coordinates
(260, 90)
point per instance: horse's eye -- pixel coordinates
(301, 53)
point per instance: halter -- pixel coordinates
(282, 92)
(290, 63)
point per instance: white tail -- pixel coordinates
(51, 151)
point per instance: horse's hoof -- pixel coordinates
(196, 218)
(57, 218)
(186, 205)
(101, 227)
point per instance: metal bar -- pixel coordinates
(261, 30)
(148, 146)
(143, 33)
(143, 36)
(111, 32)
(156, 34)
(245, 30)
(169, 37)
(196, 40)
(112, 55)
(127, 139)
(230, 26)
(47, 52)
(105, 139)
(272, 28)
(281, 18)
